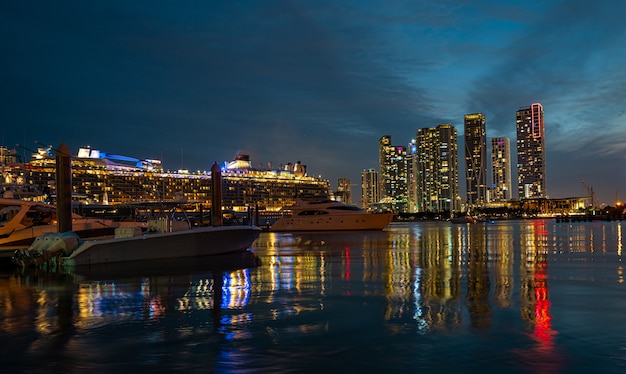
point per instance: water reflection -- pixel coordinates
(393, 294)
(442, 276)
(51, 317)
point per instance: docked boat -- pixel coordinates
(323, 215)
(21, 222)
(164, 239)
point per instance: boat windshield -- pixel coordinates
(345, 207)
(311, 212)
(41, 215)
(7, 212)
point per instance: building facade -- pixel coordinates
(344, 193)
(475, 139)
(370, 188)
(411, 175)
(501, 187)
(385, 150)
(393, 174)
(437, 169)
(531, 155)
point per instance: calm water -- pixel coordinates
(512, 296)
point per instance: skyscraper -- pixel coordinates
(475, 159)
(344, 193)
(437, 169)
(411, 176)
(384, 145)
(531, 157)
(392, 173)
(500, 169)
(370, 193)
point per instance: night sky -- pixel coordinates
(194, 82)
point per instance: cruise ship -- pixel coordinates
(107, 179)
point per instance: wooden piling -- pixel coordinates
(216, 195)
(64, 188)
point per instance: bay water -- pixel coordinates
(518, 296)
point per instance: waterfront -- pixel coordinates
(521, 296)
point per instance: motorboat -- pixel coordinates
(22, 221)
(164, 239)
(323, 215)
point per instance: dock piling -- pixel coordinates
(216, 195)
(64, 188)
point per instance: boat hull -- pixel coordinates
(334, 222)
(170, 266)
(174, 245)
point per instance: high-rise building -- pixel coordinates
(343, 193)
(475, 159)
(531, 156)
(384, 150)
(437, 169)
(370, 192)
(392, 173)
(500, 169)
(411, 175)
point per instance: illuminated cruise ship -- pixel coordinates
(102, 178)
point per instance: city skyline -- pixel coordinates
(320, 82)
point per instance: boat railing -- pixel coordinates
(167, 224)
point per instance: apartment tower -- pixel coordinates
(500, 169)
(411, 176)
(393, 171)
(531, 156)
(475, 159)
(370, 192)
(344, 193)
(437, 169)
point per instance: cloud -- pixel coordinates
(565, 60)
(317, 81)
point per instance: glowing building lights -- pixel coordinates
(476, 159)
(100, 178)
(500, 169)
(531, 158)
(437, 169)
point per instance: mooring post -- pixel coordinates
(216, 195)
(64, 188)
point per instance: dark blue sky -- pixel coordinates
(193, 82)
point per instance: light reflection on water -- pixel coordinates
(521, 296)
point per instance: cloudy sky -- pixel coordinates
(320, 81)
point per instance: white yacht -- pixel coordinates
(21, 222)
(324, 215)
